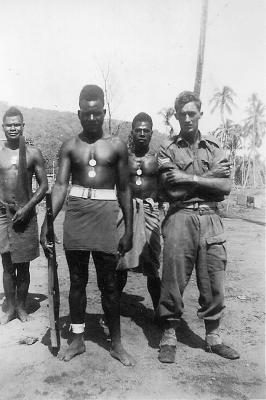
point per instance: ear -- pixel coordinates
(104, 111)
(201, 114)
(79, 114)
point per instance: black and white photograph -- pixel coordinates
(132, 199)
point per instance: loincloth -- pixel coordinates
(21, 240)
(145, 253)
(90, 225)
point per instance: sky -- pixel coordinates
(51, 49)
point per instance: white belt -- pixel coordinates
(94, 194)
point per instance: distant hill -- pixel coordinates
(47, 129)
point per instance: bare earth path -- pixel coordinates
(31, 372)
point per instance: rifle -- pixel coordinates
(53, 286)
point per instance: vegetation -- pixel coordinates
(47, 130)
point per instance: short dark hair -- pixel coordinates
(187, 97)
(142, 117)
(12, 112)
(91, 92)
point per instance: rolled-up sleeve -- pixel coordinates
(165, 159)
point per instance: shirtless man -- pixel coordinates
(143, 168)
(19, 242)
(96, 165)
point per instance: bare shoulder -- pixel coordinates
(69, 144)
(33, 152)
(117, 144)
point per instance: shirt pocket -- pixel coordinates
(216, 252)
(220, 238)
(205, 165)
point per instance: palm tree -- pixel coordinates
(255, 123)
(230, 133)
(223, 100)
(254, 130)
(167, 114)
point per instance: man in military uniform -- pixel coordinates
(196, 176)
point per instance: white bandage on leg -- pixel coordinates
(77, 328)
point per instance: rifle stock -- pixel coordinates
(53, 286)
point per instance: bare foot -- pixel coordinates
(75, 348)
(7, 317)
(22, 315)
(118, 352)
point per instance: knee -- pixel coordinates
(77, 283)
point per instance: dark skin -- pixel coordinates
(141, 135)
(111, 170)
(178, 183)
(16, 277)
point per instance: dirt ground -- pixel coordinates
(32, 372)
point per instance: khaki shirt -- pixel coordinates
(178, 154)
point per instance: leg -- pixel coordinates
(78, 270)
(210, 270)
(121, 280)
(181, 236)
(105, 265)
(154, 288)
(150, 257)
(9, 283)
(23, 283)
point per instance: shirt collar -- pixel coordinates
(179, 139)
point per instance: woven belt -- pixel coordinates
(94, 194)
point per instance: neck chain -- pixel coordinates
(139, 173)
(92, 163)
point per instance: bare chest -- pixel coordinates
(9, 160)
(96, 154)
(146, 166)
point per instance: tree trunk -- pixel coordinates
(201, 48)
(247, 176)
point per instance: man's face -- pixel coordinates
(91, 115)
(188, 117)
(142, 133)
(13, 127)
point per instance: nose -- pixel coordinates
(187, 119)
(92, 117)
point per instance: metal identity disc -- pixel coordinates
(92, 173)
(138, 181)
(92, 162)
(14, 159)
(139, 172)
